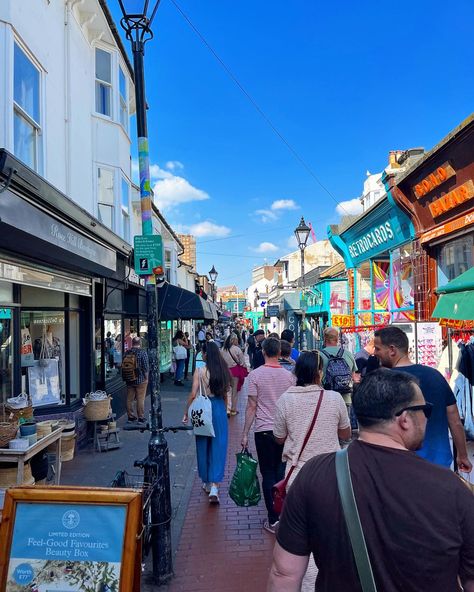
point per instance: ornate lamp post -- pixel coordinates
(302, 232)
(213, 277)
(136, 21)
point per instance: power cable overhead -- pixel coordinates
(256, 106)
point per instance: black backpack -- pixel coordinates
(338, 375)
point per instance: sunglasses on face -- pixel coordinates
(427, 408)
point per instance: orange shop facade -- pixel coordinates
(437, 193)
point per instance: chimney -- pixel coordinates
(393, 159)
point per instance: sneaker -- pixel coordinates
(214, 495)
(130, 418)
(270, 527)
(206, 487)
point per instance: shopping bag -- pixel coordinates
(200, 414)
(244, 488)
(26, 350)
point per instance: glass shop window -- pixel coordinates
(43, 365)
(363, 287)
(454, 258)
(6, 355)
(113, 347)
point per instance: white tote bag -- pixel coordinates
(180, 352)
(200, 414)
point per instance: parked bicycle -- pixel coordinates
(151, 484)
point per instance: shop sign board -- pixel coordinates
(342, 320)
(18, 213)
(374, 234)
(459, 325)
(273, 310)
(458, 223)
(68, 539)
(440, 188)
(148, 251)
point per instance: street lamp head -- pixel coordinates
(302, 232)
(137, 18)
(213, 274)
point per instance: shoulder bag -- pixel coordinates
(279, 489)
(200, 413)
(354, 527)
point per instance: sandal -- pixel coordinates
(234, 412)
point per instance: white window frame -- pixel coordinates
(17, 110)
(123, 102)
(109, 85)
(113, 205)
(125, 222)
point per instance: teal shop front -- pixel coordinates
(378, 247)
(326, 298)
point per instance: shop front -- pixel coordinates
(378, 249)
(53, 256)
(438, 194)
(328, 304)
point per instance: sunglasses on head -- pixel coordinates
(427, 408)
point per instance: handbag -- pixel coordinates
(354, 527)
(180, 352)
(200, 413)
(279, 489)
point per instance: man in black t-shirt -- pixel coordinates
(417, 517)
(258, 359)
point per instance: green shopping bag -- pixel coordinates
(244, 488)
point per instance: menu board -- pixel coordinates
(67, 545)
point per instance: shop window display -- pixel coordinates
(339, 301)
(402, 284)
(43, 374)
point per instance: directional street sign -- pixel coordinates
(148, 254)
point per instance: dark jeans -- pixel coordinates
(186, 365)
(271, 467)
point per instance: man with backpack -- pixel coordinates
(135, 369)
(339, 367)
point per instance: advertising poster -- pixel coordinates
(66, 548)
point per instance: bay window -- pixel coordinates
(105, 197)
(103, 82)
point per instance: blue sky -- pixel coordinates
(343, 82)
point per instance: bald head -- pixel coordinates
(331, 336)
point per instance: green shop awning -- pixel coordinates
(456, 299)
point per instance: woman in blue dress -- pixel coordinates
(212, 452)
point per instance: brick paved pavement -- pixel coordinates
(223, 547)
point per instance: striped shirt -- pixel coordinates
(267, 384)
(294, 413)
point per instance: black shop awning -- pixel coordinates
(177, 303)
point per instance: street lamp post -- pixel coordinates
(302, 233)
(213, 277)
(136, 21)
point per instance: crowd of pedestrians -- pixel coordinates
(394, 417)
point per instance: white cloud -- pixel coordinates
(201, 229)
(172, 165)
(174, 190)
(266, 215)
(351, 207)
(274, 211)
(284, 204)
(207, 228)
(265, 248)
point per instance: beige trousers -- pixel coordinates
(138, 392)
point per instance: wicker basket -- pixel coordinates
(98, 410)
(68, 445)
(15, 414)
(8, 475)
(7, 432)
